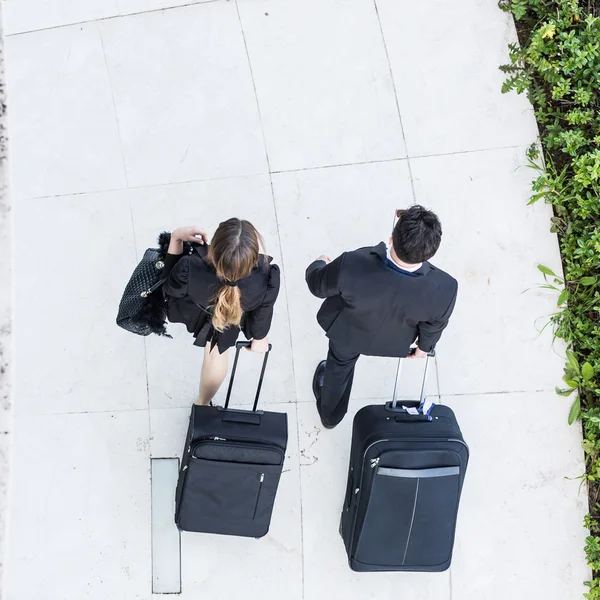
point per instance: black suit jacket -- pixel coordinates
(374, 309)
(193, 283)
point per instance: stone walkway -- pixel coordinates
(314, 119)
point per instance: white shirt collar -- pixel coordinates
(408, 269)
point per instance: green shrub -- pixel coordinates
(557, 64)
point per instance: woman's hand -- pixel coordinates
(190, 234)
(259, 346)
(186, 234)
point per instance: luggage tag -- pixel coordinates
(427, 406)
(423, 409)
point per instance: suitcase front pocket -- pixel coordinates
(224, 490)
(410, 518)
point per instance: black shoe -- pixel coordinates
(318, 380)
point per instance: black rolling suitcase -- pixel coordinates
(407, 467)
(231, 465)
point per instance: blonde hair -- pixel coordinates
(234, 252)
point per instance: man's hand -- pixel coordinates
(260, 346)
(325, 258)
(418, 353)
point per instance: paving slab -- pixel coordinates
(329, 211)
(174, 365)
(323, 82)
(445, 58)
(520, 534)
(492, 243)
(73, 257)
(184, 95)
(127, 7)
(221, 566)
(64, 134)
(30, 15)
(80, 507)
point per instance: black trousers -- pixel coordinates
(337, 386)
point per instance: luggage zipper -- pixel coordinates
(363, 462)
(236, 444)
(460, 442)
(260, 483)
(357, 490)
(236, 440)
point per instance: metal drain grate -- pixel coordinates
(166, 546)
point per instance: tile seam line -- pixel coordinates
(391, 72)
(264, 138)
(147, 186)
(128, 410)
(365, 398)
(114, 105)
(400, 158)
(301, 501)
(111, 17)
(280, 172)
(135, 249)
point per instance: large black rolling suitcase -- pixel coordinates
(231, 465)
(407, 467)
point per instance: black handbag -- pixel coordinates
(143, 306)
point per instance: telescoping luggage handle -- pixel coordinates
(393, 405)
(238, 347)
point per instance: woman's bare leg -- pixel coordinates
(214, 370)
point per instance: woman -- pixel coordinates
(218, 290)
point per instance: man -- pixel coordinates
(379, 301)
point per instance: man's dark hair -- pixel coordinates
(417, 235)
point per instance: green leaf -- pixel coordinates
(587, 281)
(564, 295)
(571, 383)
(575, 410)
(546, 271)
(564, 392)
(587, 370)
(573, 361)
(588, 446)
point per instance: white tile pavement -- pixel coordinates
(183, 95)
(64, 134)
(73, 255)
(123, 126)
(80, 508)
(520, 532)
(31, 15)
(323, 82)
(492, 243)
(445, 58)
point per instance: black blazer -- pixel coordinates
(191, 287)
(375, 309)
